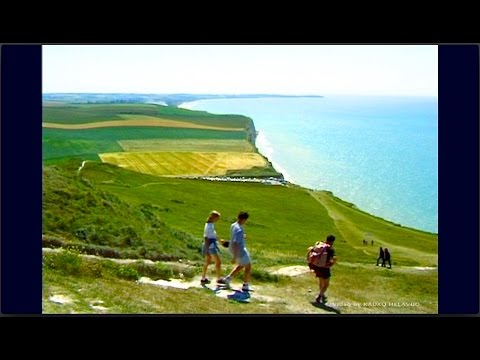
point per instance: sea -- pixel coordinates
(377, 152)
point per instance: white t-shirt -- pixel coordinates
(209, 231)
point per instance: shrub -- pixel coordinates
(128, 273)
(67, 261)
(52, 241)
(163, 271)
(81, 233)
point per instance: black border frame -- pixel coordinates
(21, 186)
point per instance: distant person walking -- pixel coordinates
(381, 256)
(323, 272)
(387, 258)
(210, 247)
(238, 249)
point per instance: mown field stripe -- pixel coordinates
(184, 163)
(139, 122)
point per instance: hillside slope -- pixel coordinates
(166, 216)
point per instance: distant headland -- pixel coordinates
(166, 99)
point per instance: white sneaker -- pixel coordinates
(224, 281)
(246, 288)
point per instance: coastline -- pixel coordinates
(265, 148)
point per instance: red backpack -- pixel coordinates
(317, 254)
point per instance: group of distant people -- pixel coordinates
(365, 242)
(384, 256)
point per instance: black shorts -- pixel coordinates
(323, 273)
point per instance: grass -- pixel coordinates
(354, 289)
(60, 143)
(255, 171)
(72, 262)
(270, 227)
(86, 113)
(76, 211)
(190, 145)
(127, 297)
(55, 146)
(132, 133)
(411, 247)
(187, 208)
(64, 143)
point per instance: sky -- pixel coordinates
(242, 69)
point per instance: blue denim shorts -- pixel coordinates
(212, 247)
(244, 259)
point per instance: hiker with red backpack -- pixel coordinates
(321, 258)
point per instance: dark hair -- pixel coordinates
(243, 215)
(331, 238)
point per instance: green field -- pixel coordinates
(59, 143)
(86, 113)
(104, 198)
(198, 145)
(171, 163)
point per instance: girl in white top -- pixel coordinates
(210, 247)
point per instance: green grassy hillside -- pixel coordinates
(105, 208)
(77, 212)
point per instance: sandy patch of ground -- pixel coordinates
(174, 283)
(60, 299)
(424, 268)
(291, 270)
(81, 166)
(234, 293)
(120, 261)
(97, 306)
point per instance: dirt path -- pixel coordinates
(81, 166)
(347, 229)
(264, 293)
(121, 261)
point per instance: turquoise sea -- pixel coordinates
(378, 152)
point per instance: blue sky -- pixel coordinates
(240, 69)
